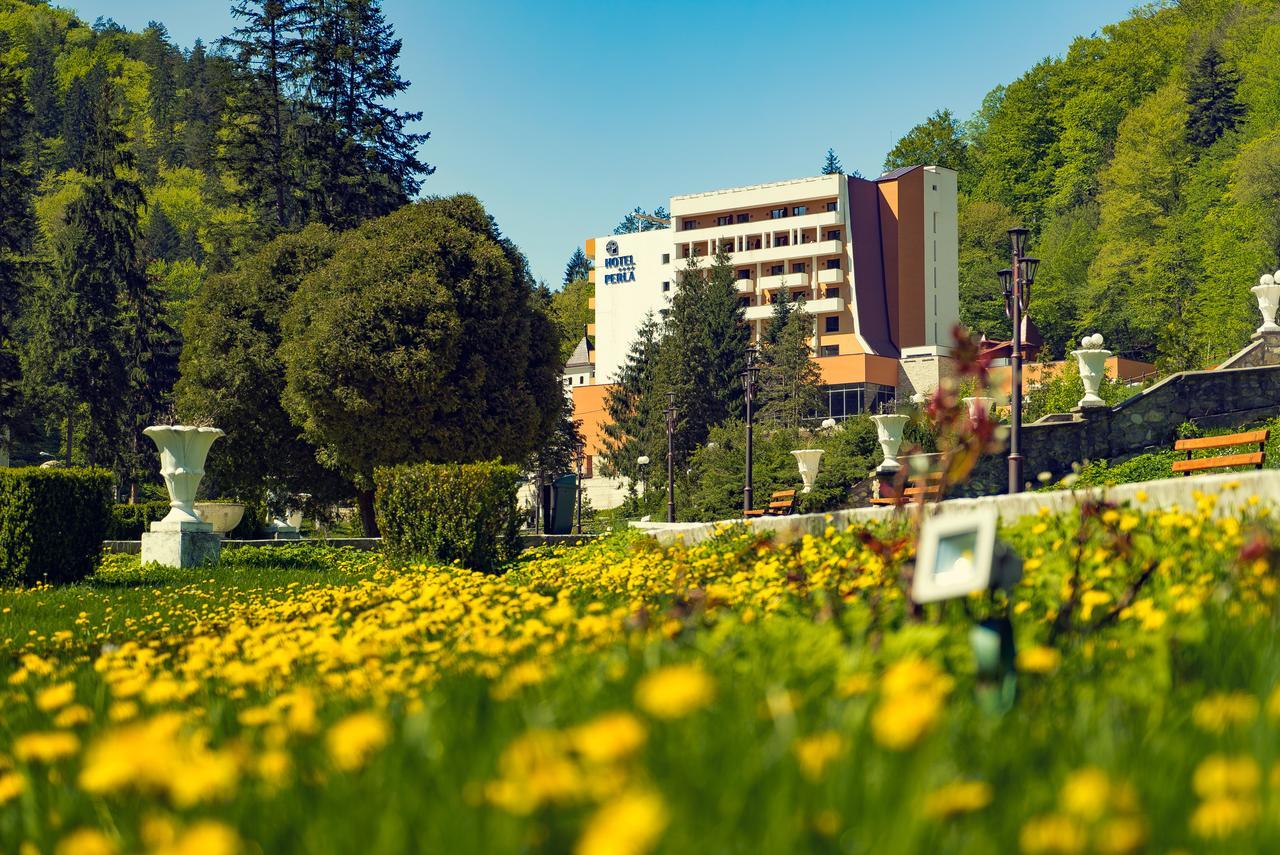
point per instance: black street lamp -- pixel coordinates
(750, 375)
(578, 483)
(671, 457)
(1016, 281)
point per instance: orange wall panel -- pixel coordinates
(588, 408)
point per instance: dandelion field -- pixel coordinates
(620, 698)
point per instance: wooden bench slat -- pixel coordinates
(1226, 441)
(1254, 459)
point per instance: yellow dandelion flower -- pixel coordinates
(353, 739)
(1219, 775)
(72, 716)
(11, 786)
(45, 746)
(1039, 659)
(957, 798)
(814, 753)
(206, 837)
(900, 721)
(86, 841)
(1224, 816)
(627, 825)
(674, 691)
(54, 697)
(1121, 835)
(1220, 712)
(1052, 834)
(609, 737)
(1085, 793)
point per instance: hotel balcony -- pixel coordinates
(758, 313)
(805, 221)
(824, 306)
(831, 276)
(790, 280)
(745, 286)
(782, 253)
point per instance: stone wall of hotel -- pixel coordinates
(1228, 397)
(921, 374)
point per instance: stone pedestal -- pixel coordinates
(180, 544)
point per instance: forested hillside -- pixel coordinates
(133, 169)
(1146, 161)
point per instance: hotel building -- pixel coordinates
(876, 262)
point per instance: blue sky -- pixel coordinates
(562, 116)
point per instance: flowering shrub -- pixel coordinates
(621, 697)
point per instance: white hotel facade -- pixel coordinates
(876, 262)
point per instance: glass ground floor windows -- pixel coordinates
(850, 399)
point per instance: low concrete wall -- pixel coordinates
(1232, 489)
(134, 547)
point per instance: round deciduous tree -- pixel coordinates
(232, 376)
(421, 339)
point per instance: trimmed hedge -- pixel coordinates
(461, 513)
(128, 522)
(52, 523)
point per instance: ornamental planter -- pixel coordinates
(978, 406)
(1092, 359)
(889, 434)
(1268, 293)
(807, 459)
(181, 539)
(223, 516)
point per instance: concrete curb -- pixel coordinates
(1233, 489)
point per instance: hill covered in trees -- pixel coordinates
(1146, 162)
(132, 169)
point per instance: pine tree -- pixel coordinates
(831, 166)
(201, 107)
(80, 114)
(162, 241)
(361, 162)
(1211, 100)
(162, 89)
(98, 283)
(15, 234)
(783, 306)
(790, 381)
(635, 405)
(578, 267)
(268, 51)
(707, 353)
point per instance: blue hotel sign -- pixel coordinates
(623, 267)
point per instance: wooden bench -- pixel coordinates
(781, 504)
(1252, 458)
(928, 491)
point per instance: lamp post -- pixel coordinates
(671, 457)
(643, 463)
(1016, 281)
(578, 483)
(749, 377)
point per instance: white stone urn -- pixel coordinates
(1268, 293)
(807, 459)
(183, 450)
(1093, 364)
(889, 433)
(978, 405)
(223, 516)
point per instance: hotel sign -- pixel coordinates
(619, 268)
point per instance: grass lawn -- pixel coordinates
(734, 697)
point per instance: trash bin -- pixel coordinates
(564, 495)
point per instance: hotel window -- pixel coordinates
(833, 324)
(690, 224)
(777, 270)
(781, 240)
(744, 301)
(832, 292)
(777, 213)
(744, 218)
(586, 468)
(666, 286)
(831, 206)
(829, 350)
(797, 296)
(725, 221)
(833, 264)
(800, 210)
(727, 246)
(744, 274)
(798, 267)
(834, 234)
(666, 258)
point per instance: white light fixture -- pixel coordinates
(642, 460)
(954, 555)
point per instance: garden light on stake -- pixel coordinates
(959, 554)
